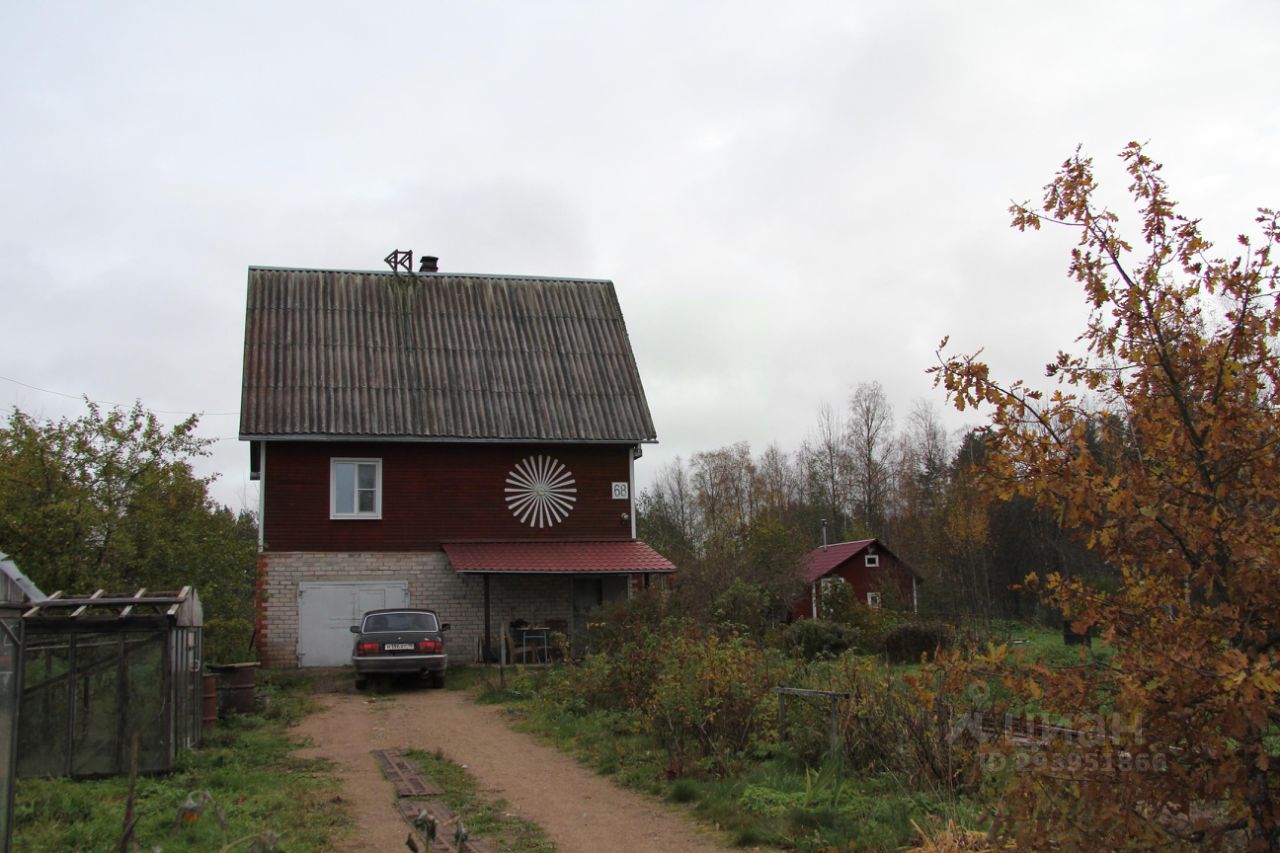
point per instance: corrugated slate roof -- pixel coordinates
(329, 353)
(556, 557)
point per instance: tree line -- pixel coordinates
(731, 514)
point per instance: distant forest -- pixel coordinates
(728, 514)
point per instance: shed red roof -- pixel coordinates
(819, 561)
(556, 557)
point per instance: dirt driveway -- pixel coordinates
(580, 811)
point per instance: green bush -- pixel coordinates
(873, 624)
(891, 724)
(618, 624)
(911, 641)
(744, 607)
(227, 640)
(712, 703)
(814, 639)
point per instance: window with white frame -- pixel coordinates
(355, 488)
(873, 561)
(873, 600)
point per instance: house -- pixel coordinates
(875, 574)
(465, 443)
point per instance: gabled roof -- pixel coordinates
(556, 557)
(823, 560)
(436, 356)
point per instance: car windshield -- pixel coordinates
(400, 622)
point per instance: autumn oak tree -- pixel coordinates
(1160, 448)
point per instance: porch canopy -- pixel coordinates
(551, 559)
(628, 557)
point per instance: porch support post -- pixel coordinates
(488, 630)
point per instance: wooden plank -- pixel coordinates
(129, 608)
(406, 779)
(82, 608)
(35, 608)
(182, 596)
(812, 694)
(445, 820)
(152, 599)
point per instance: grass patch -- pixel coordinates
(245, 768)
(465, 676)
(492, 685)
(482, 817)
(610, 743)
(1037, 643)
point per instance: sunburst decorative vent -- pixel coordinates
(540, 491)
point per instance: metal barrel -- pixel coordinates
(237, 685)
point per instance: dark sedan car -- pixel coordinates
(399, 642)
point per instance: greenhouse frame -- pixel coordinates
(13, 599)
(105, 671)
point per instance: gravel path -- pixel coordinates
(580, 811)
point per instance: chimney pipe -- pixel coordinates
(824, 534)
(428, 264)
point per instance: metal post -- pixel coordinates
(833, 704)
(122, 702)
(72, 675)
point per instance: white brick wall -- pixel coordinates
(458, 599)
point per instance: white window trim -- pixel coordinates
(873, 600)
(333, 490)
(873, 561)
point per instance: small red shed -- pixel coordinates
(873, 571)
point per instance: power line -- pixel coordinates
(110, 403)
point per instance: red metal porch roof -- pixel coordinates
(556, 557)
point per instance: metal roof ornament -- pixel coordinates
(399, 260)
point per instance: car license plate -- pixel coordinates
(397, 647)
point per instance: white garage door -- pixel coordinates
(328, 609)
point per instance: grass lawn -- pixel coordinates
(250, 782)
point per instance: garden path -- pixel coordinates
(580, 811)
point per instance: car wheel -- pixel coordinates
(437, 680)
(361, 683)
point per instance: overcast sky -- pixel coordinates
(791, 198)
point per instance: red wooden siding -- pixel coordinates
(434, 493)
(863, 580)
